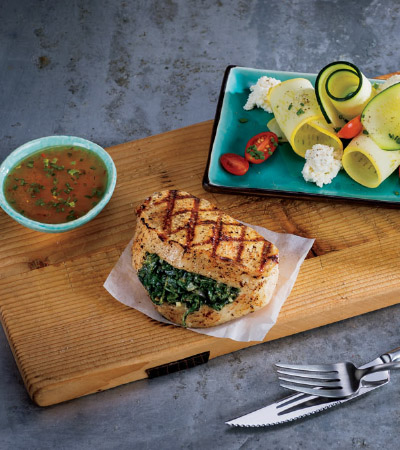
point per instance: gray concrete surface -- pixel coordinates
(113, 71)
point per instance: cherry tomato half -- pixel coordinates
(351, 129)
(260, 147)
(234, 163)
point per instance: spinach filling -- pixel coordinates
(167, 284)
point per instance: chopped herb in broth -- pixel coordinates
(57, 184)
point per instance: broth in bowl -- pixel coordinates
(57, 184)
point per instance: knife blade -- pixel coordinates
(300, 405)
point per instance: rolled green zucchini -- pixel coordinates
(381, 118)
(342, 92)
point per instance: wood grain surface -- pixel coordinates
(71, 338)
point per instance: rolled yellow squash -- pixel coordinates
(367, 163)
(298, 115)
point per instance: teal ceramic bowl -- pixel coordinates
(35, 146)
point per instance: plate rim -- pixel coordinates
(211, 187)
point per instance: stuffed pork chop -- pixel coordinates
(200, 267)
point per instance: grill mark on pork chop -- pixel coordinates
(241, 244)
(192, 222)
(216, 238)
(265, 255)
(168, 213)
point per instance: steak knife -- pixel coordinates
(300, 405)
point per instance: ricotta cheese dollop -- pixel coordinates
(259, 94)
(322, 164)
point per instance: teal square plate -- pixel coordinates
(280, 175)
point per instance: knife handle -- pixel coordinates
(393, 355)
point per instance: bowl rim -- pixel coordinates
(35, 146)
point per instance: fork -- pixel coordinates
(327, 380)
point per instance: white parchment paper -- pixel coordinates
(124, 285)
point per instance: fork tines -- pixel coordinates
(310, 379)
(308, 367)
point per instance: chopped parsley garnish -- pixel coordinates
(68, 188)
(167, 284)
(290, 106)
(53, 191)
(53, 164)
(394, 138)
(74, 172)
(95, 193)
(254, 152)
(365, 132)
(21, 181)
(71, 216)
(35, 188)
(300, 111)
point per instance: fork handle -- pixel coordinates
(393, 355)
(379, 368)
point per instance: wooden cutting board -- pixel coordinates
(70, 338)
